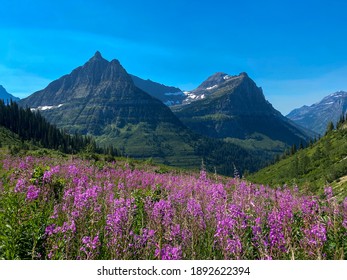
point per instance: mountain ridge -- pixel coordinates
(100, 99)
(317, 116)
(169, 95)
(234, 106)
(5, 96)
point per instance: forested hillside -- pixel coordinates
(31, 126)
(322, 163)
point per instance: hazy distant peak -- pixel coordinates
(317, 116)
(4, 95)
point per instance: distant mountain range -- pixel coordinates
(101, 99)
(317, 116)
(4, 95)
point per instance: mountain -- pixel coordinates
(206, 88)
(323, 163)
(101, 99)
(317, 116)
(227, 106)
(4, 95)
(96, 97)
(167, 94)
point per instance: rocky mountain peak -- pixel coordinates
(97, 78)
(96, 58)
(213, 81)
(97, 55)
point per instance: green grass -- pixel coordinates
(258, 141)
(323, 163)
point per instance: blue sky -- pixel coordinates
(294, 50)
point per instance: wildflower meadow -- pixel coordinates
(72, 209)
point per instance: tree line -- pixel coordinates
(32, 126)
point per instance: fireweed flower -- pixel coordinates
(276, 234)
(176, 209)
(50, 229)
(20, 186)
(194, 210)
(163, 212)
(169, 252)
(328, 192)
(72, 170)
(116, 222)
(47, 175)
(32, 193)
(90, 245)
(316, 234)
(234, 245)
(256, 229)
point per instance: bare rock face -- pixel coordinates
(95, 95)
(234, 106)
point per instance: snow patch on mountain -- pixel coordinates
(209, 88)
(44, 108)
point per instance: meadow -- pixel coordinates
(68, 208)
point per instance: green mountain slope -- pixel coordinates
(8, 138)
(322, 164)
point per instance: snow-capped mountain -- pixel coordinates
(209, 86)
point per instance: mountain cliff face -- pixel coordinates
(317, 116)
(167, 94)
(233, 106)
(4, 95)
(95, 95)
(101, 99)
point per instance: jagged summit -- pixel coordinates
(97, 55)
(97, 77)
(99, 98)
